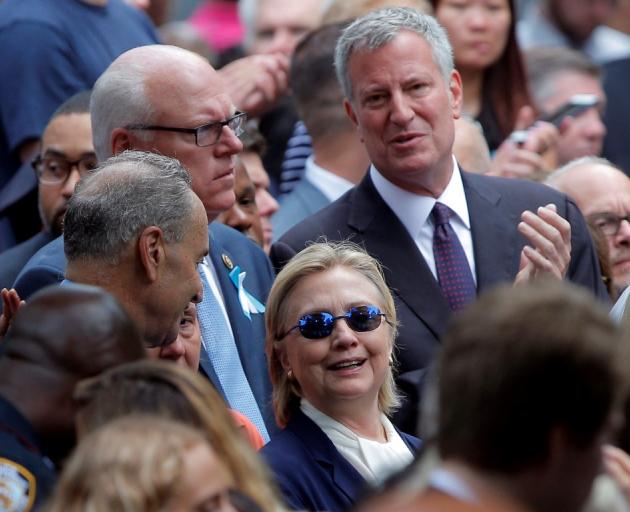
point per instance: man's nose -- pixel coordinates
(401, 111)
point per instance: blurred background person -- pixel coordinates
(495, 88)
(63, 335)
(602, 193)
(331, 326)
(339, 160)
(274, 27)
(145, 464)
(66, 154)
(252, 157)
(44, 60)
(243, 215)
(559, 77)
(577, 24)
(170, 391)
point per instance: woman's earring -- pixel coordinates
(290, 374)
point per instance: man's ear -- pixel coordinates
(352, 116)
(120, 141)
(151, 252)
(456, 93)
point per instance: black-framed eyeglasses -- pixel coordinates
(314, 326)
(206, 134)
(608, 223)
(54, 170)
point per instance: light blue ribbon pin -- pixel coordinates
(249, 303)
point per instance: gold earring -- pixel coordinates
(290, 374)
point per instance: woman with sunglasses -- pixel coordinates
(331, 326)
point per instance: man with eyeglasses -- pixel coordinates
(169, 101)
(66, 154)
(602, 192)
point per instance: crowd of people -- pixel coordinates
(325, 255)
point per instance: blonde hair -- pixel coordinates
(176, 392)
(320, 257)
(132, 464)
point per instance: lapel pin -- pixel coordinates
(227, 261)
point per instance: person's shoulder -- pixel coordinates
(512, 187)
(232, 240)
(35, 12)
(330, 222)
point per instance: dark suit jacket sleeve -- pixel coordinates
(280, 254)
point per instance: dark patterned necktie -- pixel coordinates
(451, 264)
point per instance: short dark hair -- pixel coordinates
(314, 82)
(77, 104)
(519, 362)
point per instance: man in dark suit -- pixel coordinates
(402, 94)
(170, 101)
(66, 153)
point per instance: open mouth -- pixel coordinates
(347, 364)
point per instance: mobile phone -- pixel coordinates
(576, 105)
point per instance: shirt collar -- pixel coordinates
(414, 210)
(330, 184)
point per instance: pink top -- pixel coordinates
(218, 24)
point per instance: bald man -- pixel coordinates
(602, 192)
(64, 334)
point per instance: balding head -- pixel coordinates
(64, 334)
(602, 192)
(148, 91)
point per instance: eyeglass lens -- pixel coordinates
(54, 169)
(609, 224)
(211, 133)
(359, 318)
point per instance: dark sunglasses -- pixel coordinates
(314, 326)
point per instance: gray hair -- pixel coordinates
(545, 64)
(377, 28)
(578, 162)
(121, 197)
(248, 12)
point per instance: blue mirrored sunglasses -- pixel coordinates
(314, 326)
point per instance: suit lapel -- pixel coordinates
(406, 272)
(346, 478)
(494, 233)
(241, 325)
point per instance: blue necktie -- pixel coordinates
(451, 264)
(219, 347)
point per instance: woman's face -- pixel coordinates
(477, 29)
(346, 366)
(204, 483)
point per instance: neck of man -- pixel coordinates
(342, 154)
(489, 489)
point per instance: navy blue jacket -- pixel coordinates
(23, 468)
(310, 472)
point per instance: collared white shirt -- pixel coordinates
(414, 212)
(211, 276)
(328, 183)
(374, 461)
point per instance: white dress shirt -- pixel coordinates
(328, 183)
(373, 460)
(414, 211)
